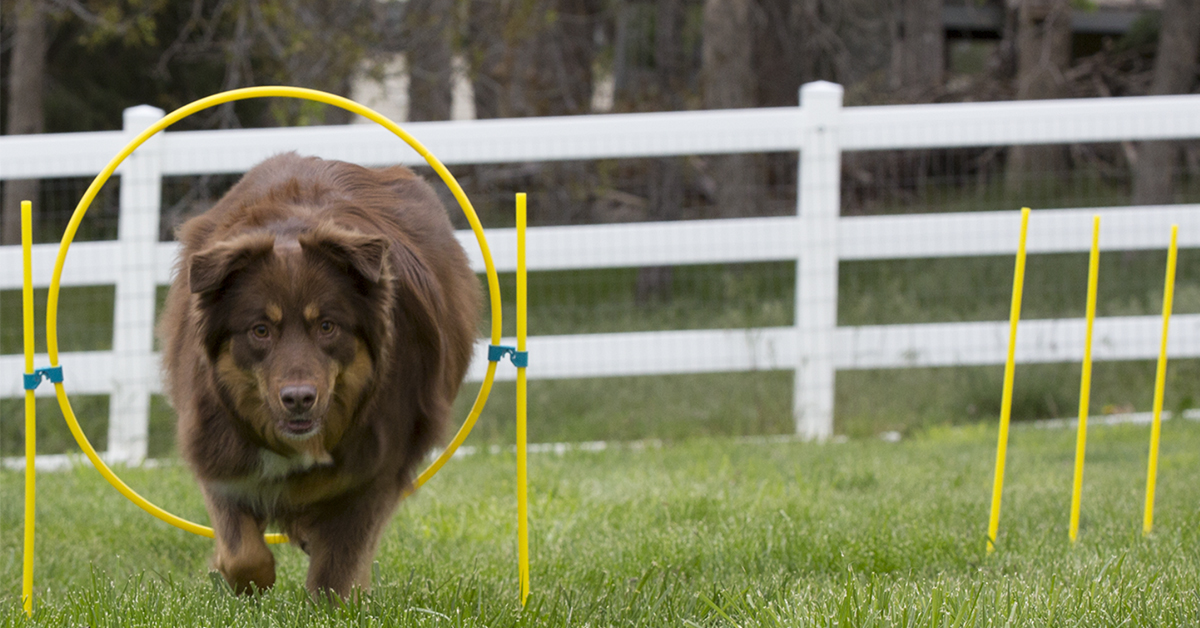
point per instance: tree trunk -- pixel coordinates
(778, 37)
(429, 33)
(569, 51)
(526, 66)
(25, 111)
(1043, 54)
(1174, 73)
(727, 76)
(665, 177)
(486, 55)
(918, 49)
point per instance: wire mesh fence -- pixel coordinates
(881, 299)
(978, 288)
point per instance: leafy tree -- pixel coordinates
(1175, 67)
(75, 65)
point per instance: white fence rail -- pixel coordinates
(816, 239)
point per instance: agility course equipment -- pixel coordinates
(520, 361)
(1085, 379)
(30, 406)
(1160, 382)
(1085, 382)
(1009, 372)
(54, 373)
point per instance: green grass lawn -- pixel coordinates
(707, 532)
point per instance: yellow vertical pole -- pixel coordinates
(1085, 379)
(1009, 370)
(1160, 382)
(30, 406)
(522, 469)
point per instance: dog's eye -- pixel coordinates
(327, 327)
(261, 331)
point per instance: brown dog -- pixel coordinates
(320, 323)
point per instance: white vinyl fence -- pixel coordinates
(817, 238)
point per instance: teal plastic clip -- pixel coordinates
(520, 359)
(34, 379)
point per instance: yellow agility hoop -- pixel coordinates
(179, 114)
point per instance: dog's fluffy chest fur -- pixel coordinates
(265, 488)
(276, 467)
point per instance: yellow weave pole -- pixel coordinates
(1009, 370)
(1160, 382)
(1085, 379)
(522, 468)
(172, 118)
(30, 405)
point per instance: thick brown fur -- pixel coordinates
(321, 320)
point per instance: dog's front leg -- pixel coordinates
(341, 539)
(242, 556)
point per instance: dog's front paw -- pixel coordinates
(247, 573)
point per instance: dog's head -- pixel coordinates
(295, 324)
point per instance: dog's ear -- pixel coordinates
(420, 316)
(208, 269)
(364, 254)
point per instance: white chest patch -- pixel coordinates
(264, 491)
(276, 467)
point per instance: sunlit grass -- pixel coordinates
(710, 532)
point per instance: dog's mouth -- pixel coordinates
(299, 428)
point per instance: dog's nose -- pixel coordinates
(298, 399)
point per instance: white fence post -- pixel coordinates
(819, 204)
(135, 373)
